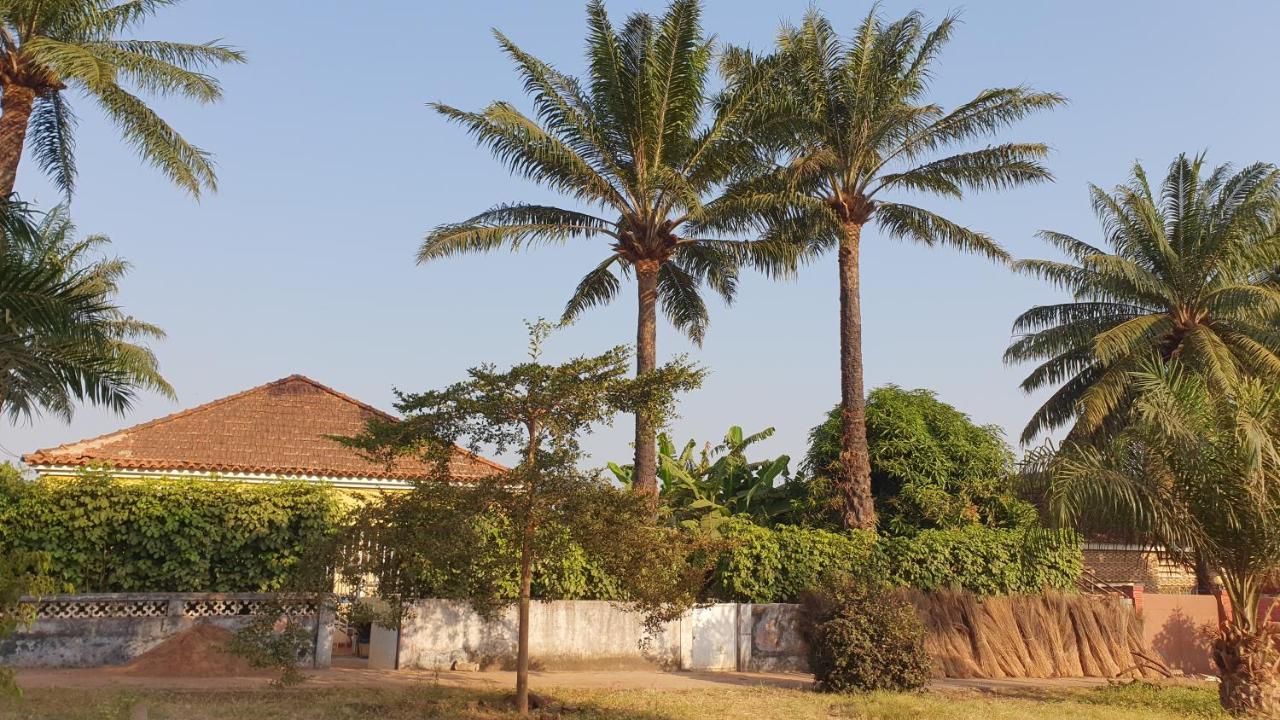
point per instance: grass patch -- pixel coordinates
(1131, 702)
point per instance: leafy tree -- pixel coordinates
(63, 339)
(719, 483)
(630, 142)
(855, 125)
(50, 46)
(534, 508)
(1196, 470)
(1188, 274)
(931, 466)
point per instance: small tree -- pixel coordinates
(1197, 471)
(536, 511)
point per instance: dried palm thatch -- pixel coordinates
(1034, 636)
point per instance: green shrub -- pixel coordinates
(763, 565)
(985, 561)
(863, 638)
(106, 535)
(274, 640)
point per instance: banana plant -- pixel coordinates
(704, 488)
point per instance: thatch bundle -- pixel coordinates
(1035, 636)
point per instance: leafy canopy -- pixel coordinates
(63, 339)
(48, 46)
(641, 144)
(1185, 270)
(467, 537)
(931, 466)
(852, 123)
(704, 490)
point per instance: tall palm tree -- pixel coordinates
(1185, 271)
(1195, 468)
(48, 46)
(859, 127)
(63, 340)
(631, 145)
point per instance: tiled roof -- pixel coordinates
(280, 428)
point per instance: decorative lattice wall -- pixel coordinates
(187, 606)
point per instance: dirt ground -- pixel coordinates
(338, 677)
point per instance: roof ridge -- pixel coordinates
(217, 402)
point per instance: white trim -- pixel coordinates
(369, 483)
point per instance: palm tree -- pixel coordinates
(1194, 468)
(1188, 275)
(49, 46)
(631, 144)
(858, 126)
(62, 338)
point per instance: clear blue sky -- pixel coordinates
(332, 168)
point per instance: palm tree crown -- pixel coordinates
(1189, 275)
(62, 338)
(48, 46)
(853, 125)
(643, 148)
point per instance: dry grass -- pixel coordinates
(1139, 702)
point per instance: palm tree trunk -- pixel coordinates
(857, 508)
(646, 460)
(1204, 576)
(15, 111)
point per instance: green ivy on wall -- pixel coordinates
(106, 535)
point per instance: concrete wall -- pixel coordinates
(598, 635)
(112, 629)
(569, 634)
(1176, 626)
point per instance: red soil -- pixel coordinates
(198, 652)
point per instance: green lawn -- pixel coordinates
(1129, 702)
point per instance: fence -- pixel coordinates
(114, 628)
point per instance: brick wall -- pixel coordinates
(1134, 564)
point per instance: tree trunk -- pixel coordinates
(15, 111)
(522, 645)
(857, 508)
(645, 474)
(1205, 584)
(1248, 663)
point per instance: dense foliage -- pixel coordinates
(107, 535)
(862, 637)
(703, 490)
(764, 565)
(1185, 270)
(931, 466)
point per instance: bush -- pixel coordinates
(763, 565)
(274, 640)
(863, 638)
(984, 561)
(106, 535)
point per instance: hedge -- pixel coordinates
(763, 565)
(107, 535)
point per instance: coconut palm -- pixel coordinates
(62, 338)
(1194, 468)
(1184, 270)
(630, 146)
(858, 127)
(49, 46)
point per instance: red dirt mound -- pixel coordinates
(198, 652)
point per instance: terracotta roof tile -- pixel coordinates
(280, 428)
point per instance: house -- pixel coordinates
(281, 431)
